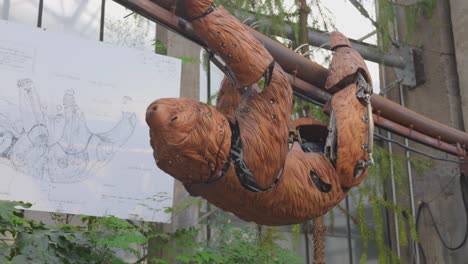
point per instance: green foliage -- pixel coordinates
(280, 13)
(99, 239)
(386, 17)
(96, 241)
(184, 205)
(303, 108)
(386, 10)
(371, 192)
(385, 20)
(159, 47)
(128, 32)
(243, 244)
(28, 241)
(295, 233)
(422, 8)
(186, 59)
(11, 218)
(184, 246)
(364, 230)
(205, 60)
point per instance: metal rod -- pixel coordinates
(348, 226)
(410, 179)
(39, 15)
(208, 224)
(407, 153)
(103, 15)
(208, 81)
(6, 10)
(306, 238)
(394, 196)
(319, 38)
(418, 137)
(313, 74)
(417, 122)
(368, 35)
(392, 177)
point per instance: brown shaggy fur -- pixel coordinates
(263, 120)
(295, 199)
(191, 140)
(352, 134)
(246, 58)
(192, 9)
(230, 96)
(345, 64)
(181, 148)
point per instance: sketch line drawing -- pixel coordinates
(59, 147)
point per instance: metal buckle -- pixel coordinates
(332, 139)
(363, 93)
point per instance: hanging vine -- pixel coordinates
(386, 10)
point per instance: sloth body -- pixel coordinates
(237, 155)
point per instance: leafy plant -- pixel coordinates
(159, 47)
(240, 243)
(185, 247)
(98, 240)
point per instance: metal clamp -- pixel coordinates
(363, 93)
(332, 140)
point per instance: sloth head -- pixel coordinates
(190, 140)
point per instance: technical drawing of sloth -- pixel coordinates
(58, 147)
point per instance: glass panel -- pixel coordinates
(80, 17)
(20, 11)
(124, 28)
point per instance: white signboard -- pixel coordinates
(73, 136)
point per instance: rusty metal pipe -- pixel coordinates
(418, 137)
(319, 39)
(309, 90)
(315, 75)
(417, 122)
(322, 97)
(161, 15)
(301, 67)
(293, 63)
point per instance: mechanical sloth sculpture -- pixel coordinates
(245, 156)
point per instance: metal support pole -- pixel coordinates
(393, 185)
(208, 80)
(103, 16)
(348, 226)
(370, 34)
(320, 39)
(407, 153)
(307, 241)
(39, 16)
(394, 196)
(410, 181)
(6, 10)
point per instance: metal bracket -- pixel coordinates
(412, 74)
(332, 139)
(363, 88)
